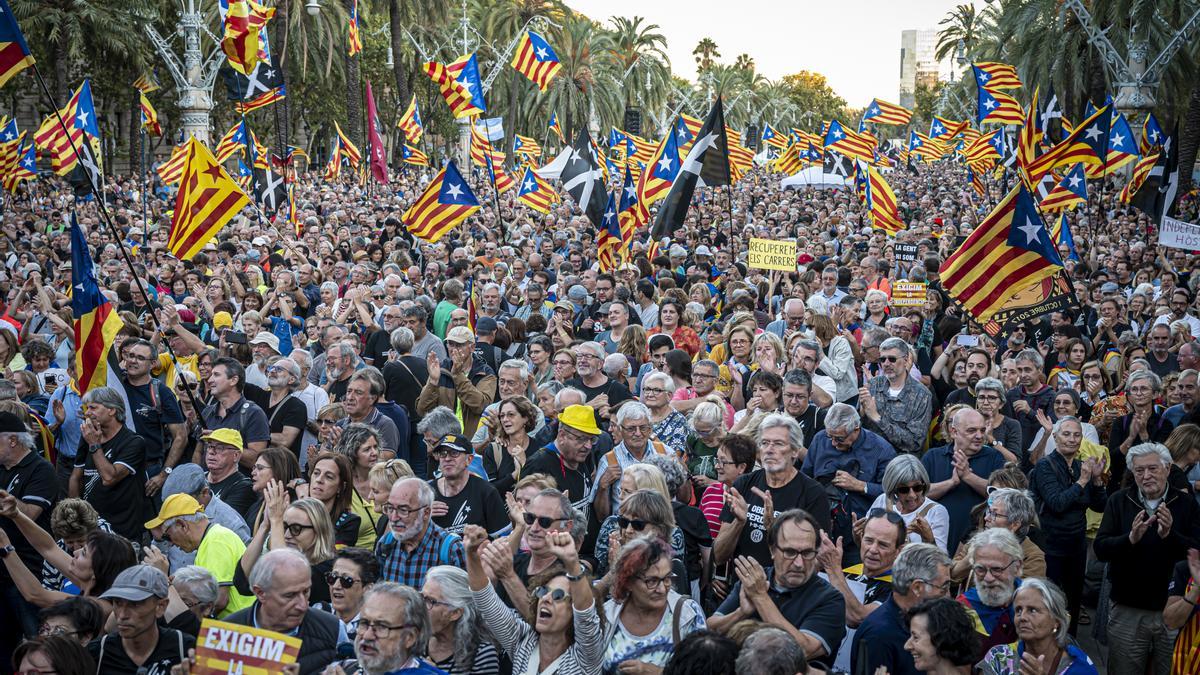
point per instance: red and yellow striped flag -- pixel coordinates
(348, 149)
(535, 59)
(446, 202)
(354, 40)
(208, 198)
(410, 122)
(150, 117)
(240, 41)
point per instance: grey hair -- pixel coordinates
(330, 286)
(292, 369)
(898, 344)
(1189, 373)
(594, 347)
(23, 437)
(402, 340)
(517, 365)
(997, 537)
(991, 384)
(842, 416)
(768, 651)
(470, 629)
(353, 436)
(1021, 508)
(263, 574)
(811, 345)
(199, 581)
(1066, 418)
(564, 502)
(552, 387)
(109, 398)
(1142, 449)
(1056, 604)
(578, 525)
(439, 422)
(657, 376)
(344, 349)
(298, 355)
(190, 518)
(1031, 356)
(413, 614)
(673, 473)
(902, 470)
(916, 562)
(1154, 380)
(706, 363)
(373, 378)
(795, 433)
(424, 491)
(615, 365)
(875, 293)
(633, 410)
(568, 391)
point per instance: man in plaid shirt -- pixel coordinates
(413, 543)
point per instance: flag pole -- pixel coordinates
(729, 213)
(495, 191)
(145, 181)
(103, 208)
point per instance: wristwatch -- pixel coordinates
(6, 550)
(167, 470)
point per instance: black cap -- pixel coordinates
(455, 442)
(11, 424)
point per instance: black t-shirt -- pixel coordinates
(154, 406)
(696, 534)
(345, 529)
(337, 390)
(405, 377)
(109, 654)
(237, 491)
(572, 482)
(477, 504)
(32, 482)
(617, 394)
(811, 421)
(378, 347)
(801, 493)
(291, 412)
(119, 504)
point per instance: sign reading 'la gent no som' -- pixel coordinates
(768, 254)
(229, 649)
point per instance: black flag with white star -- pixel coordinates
(584, 180)
(87, 168)
(707, 164)
(262, 79)
(1156, 196)
(838, 164)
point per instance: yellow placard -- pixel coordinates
(908, 293)
(768, 254)
(223, 648)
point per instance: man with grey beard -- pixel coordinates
(995, 555)
(414, 543)
(393, 627)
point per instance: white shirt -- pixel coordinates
(1191, 320)
(935, 514)
(1089, 433)
(314, 399)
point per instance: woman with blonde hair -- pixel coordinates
(382, 476)
(840, 357)
(1184, 444)
(634, 347)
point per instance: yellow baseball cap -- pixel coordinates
(227, 436)
(222, 320)
(176, 505)
(580, 418)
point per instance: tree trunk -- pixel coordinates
(135, 135)
(512, 116)
(1189, 140)
(403, 91)
(62, 74)
(283, 109)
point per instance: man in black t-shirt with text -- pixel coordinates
(110, 464)
(462, 498)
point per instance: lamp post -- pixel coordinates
(194, 76)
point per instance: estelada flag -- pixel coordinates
(14, 52)
(96, 320)
(536, 60)
(208, 198)
(446, 202)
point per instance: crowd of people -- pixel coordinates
(487, 455)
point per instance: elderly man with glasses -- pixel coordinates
(789, 594)
(849, 457)
(894, 403)
(995, 557)
(414, 543)
(638, 443)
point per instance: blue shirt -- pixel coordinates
(939, 463)
(284, 331)
(67, 436)
(865, 460)
(879, 641)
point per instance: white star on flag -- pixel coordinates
(81, 120)
(1118, 140)
(528, 185)
(1093, 133)
(1032, 232)
(454, 191)
(541, 53)
(837, 133)
(664, 164)
(1073, 181)
(990, 103)
(631, 191)
(984, 77)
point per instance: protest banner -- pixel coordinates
(1176, 233)
(228, 649)
(905, 252)
(908, 293)
(768, 254)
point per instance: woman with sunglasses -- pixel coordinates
(646, 617)
(565, 635)
(354, 570)
(906, 492)
(303, 525)
(327, 419)
(636, 517)
(460, 643)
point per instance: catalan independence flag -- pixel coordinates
(412, 155)
(536, 60)
(882, 112)
(524, 145)
(24, 165)
(446, 202)
(241, 40)
(207, 199)
(96, 320)
(553, 125)
(1070, 192)
(410, 122)
(661, 171)
(1141, 171)
(150, 117)
(842, 140)
(460, 85)
(629, 216)
(145, 84)
(171, 171)
(14, 53)
(1121, 148)
(353, 40)
(348, 148)
(996, 107)
(535, 192)
(1152, 134)
(879, 199)
(1009, 252)
(609, 237)
(1087, 143)
(994, 76)
(60, 144)
(773, 138)
(10, 141)
(234, 141)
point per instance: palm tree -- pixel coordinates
(706, 54)
(639, 51)
(581, 86)
(961, 26)
(744, 61)
(501, 23)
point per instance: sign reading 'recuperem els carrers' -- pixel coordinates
(229, 649)
(768, 254)
(1178, 234)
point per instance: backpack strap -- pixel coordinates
(100, 660)
(676, 618)
(444, 549)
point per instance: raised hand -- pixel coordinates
(498, 557)
(562, 545)
(1141, 523)
(473, 537)
(737, 504)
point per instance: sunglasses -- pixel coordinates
(889, 359)
(544, 521)
(891, 517)
(557, 595)
(345, 580)
(909, 489)
(295, 529)
(637, 525)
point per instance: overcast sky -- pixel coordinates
(854, 43)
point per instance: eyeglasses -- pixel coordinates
(446, 454)
(889, 359)
(393, 511)
(637, 525)
(994, 514)
(345, 580)
(943, 587)
(657, 582)
(636, 429)
(382, 630)
(51, 629)
(981, 571)
(544, 521)
(562, 362)
(557, 594)
(431, 603)
(910, 489)
(654, 390)
(295, 529)
(702, 376)
(790, 554)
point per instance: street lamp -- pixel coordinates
(313, 7)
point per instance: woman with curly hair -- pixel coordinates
(646, 618)
(359, 444)
(942, 638)
(670, 317)
(505, 456)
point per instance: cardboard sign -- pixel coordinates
(905, 252)
(768, 254)
(908, 294)
(1179, 234)
(229, 649)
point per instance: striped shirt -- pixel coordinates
(520, 641)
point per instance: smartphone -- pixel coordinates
(235, 337)
(968, 340)
(49, 380)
